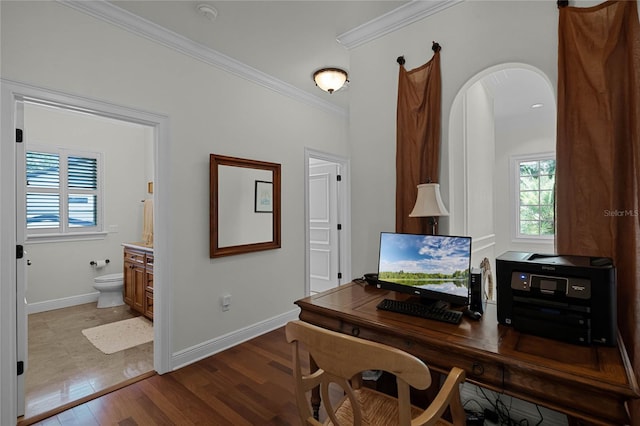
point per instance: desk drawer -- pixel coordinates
(438, 356)
(559, 393)
(485, 373)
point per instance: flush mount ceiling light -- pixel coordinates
(330, 79)
(207, 11)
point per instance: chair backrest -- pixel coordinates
(341, 357)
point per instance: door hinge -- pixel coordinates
(19, 135)
(339, 178)
(339, 275)
(339, 227)
(20, 368)
(19, 251)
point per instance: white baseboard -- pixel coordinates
(473, 397)
(65, 302)
(196, 353)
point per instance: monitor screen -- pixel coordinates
(434, 267)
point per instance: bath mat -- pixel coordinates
(121, 335)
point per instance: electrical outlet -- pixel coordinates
(225, 301)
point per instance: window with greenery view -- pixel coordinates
(536, 201)
(62, 192)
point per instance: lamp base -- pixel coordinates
(433, 221)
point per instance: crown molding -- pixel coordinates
(128, 21)
(394, 20)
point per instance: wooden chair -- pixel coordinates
(341, 359)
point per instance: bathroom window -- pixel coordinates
(63, 192)
(534, 196)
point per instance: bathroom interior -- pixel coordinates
(75, 282)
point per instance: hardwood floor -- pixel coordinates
(249, 384)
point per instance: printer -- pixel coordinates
(567, 298)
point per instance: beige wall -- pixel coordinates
(61, 269)
(480, 165)
(474, 35)
(50, 45)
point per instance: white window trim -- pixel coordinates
(514, 178)
(70, 234)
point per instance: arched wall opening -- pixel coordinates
(503, 112)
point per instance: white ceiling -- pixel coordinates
(515, 92)
(289, 40)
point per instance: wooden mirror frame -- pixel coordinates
(220, 160)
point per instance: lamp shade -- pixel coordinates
(330, 79)
(428, 202)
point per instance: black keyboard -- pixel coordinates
(436, 311)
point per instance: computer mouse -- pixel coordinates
(475, 315)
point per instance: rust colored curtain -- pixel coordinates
(417, 139)
(598, 149)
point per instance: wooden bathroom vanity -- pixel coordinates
(138, 278)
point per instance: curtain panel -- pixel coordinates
(417, 139)
(598, 149)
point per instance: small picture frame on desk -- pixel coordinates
(263, 197)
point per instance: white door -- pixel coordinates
(323, 226)
(21, 261)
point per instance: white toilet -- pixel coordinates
(110, 288)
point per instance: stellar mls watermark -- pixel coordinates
(621, 213)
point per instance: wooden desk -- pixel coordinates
(591, 383)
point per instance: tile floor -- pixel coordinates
(64, 366)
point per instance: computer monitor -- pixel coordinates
(434, 267)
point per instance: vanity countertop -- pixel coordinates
(139, 246)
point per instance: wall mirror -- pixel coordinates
(244, 205)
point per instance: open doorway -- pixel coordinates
(14, 133)
(328, 224)
(501, 112)
(86, 176)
